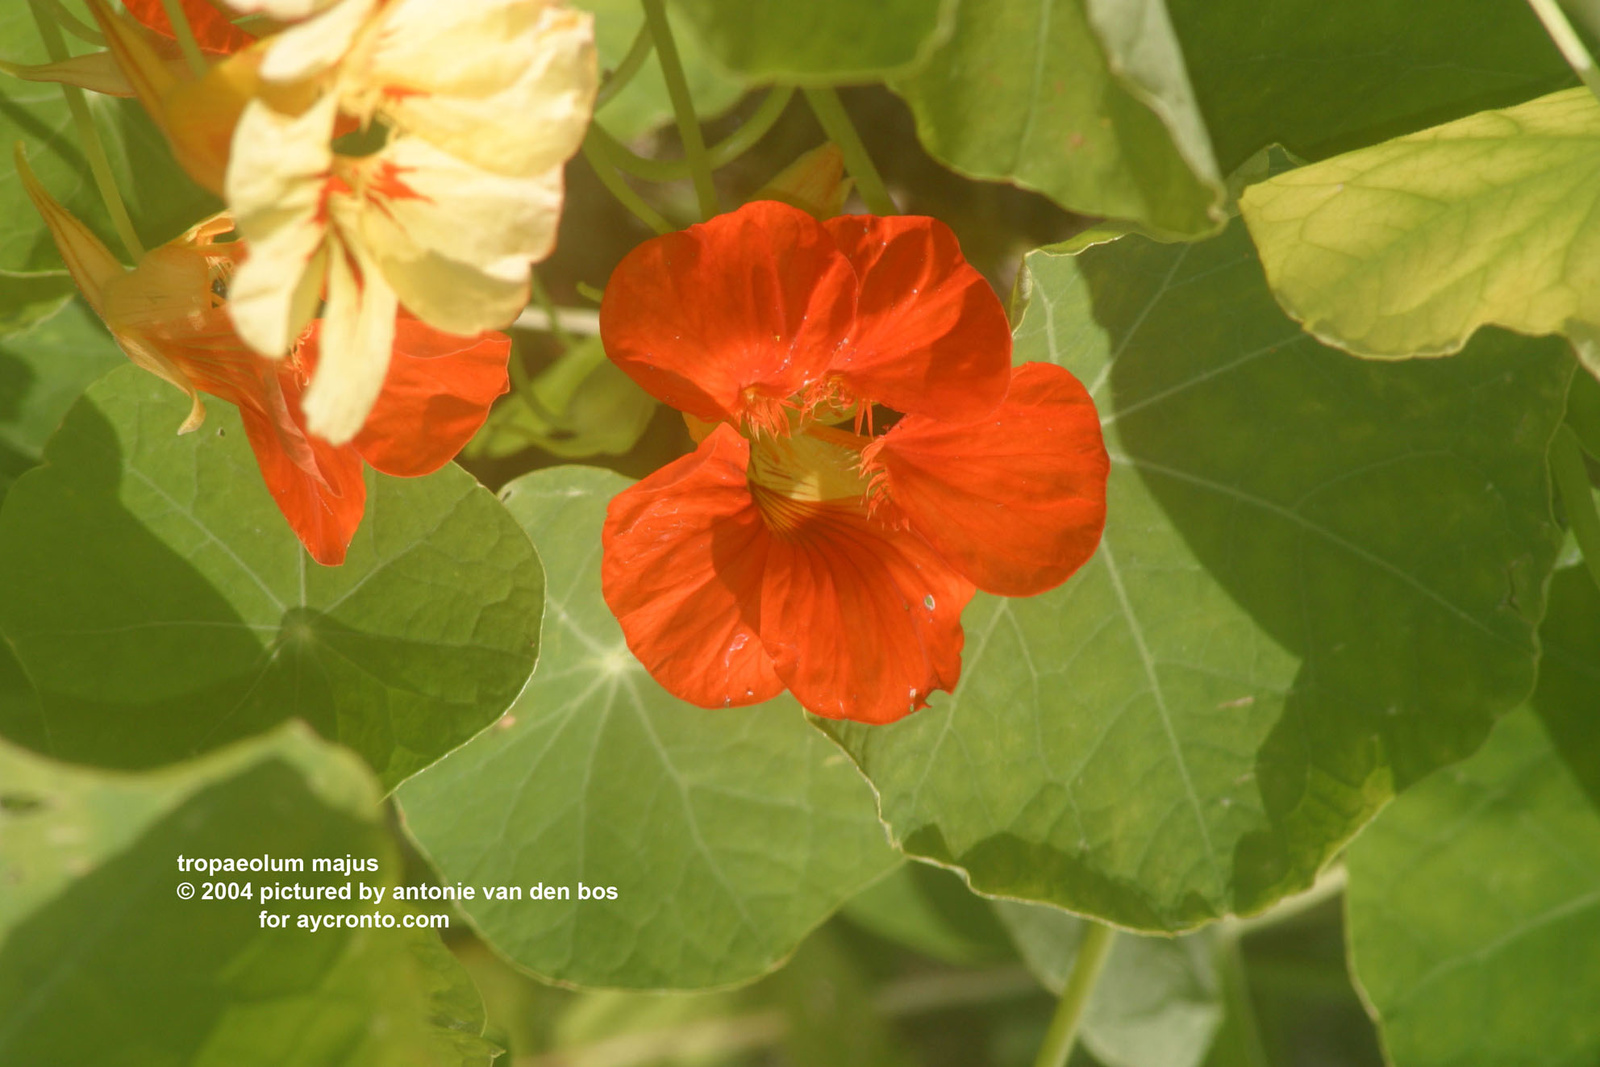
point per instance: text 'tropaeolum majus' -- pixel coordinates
(868, 457)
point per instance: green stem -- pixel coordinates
(1241, 1029)
(842, 132)
(638, 52)
(76, 26)
(694, 144)
(719, 155)
(595, 151)
(185, 35)
(1572, 480)
(1568, 41)
(1092, 953)
(541, 296)
(93, 150)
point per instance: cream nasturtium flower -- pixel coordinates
(483, 101)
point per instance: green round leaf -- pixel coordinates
(1407, 247)
(821, 40)
(1474, 907)
(727, 834)
(1322, 78)
(162, 606)
(1085, 101)
(101, 961)
(1319, 581)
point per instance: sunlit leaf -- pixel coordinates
(727, 834)
(1319, 581)
(1085, 101)
(1407, 247)
(1474, 905)
(101, 961)
(162, 606)
(1157, 1002)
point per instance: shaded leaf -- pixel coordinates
(1319, 581)
(728, 835)
(162, 606)
(1323, 78)
(1406, 248)
(102, 962)
(1085, 101)
(932, 911)
(1157, 1002)
(46, 366)
(1569, 675)
(820, 41)
(1474, 905)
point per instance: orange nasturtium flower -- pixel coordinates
(868, 457)
(167, 314)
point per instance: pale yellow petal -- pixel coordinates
(522, 108)
(277, 173)
(493, 222)
(313, 46)
(357, 338)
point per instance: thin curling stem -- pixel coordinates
(1572, 481)
(842, 132)
(720, 154)
(594, 150)
(1568, 42)
(694, 144)
(185, 35)
(541, 296)
(56, 47)
(76, 26)
(638, 52)
(1063, 1032)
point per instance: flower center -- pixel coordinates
(794, 477)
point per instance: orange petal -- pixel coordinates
(930, 336)
(435, 397)
(729, 318)
(212, 30)
(684, 551)
(861, 622)
(1015, 500)
(324, 503)
(90, 263)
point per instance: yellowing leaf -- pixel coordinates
(1407, 247)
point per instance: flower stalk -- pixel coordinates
(841, 131)
(99, 165)
(694, 144)
(1091, 960)
(1568, 42)
(185, 35)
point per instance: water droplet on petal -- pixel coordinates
(927, 601)
(727, 702)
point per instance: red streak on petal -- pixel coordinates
(213, 31)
